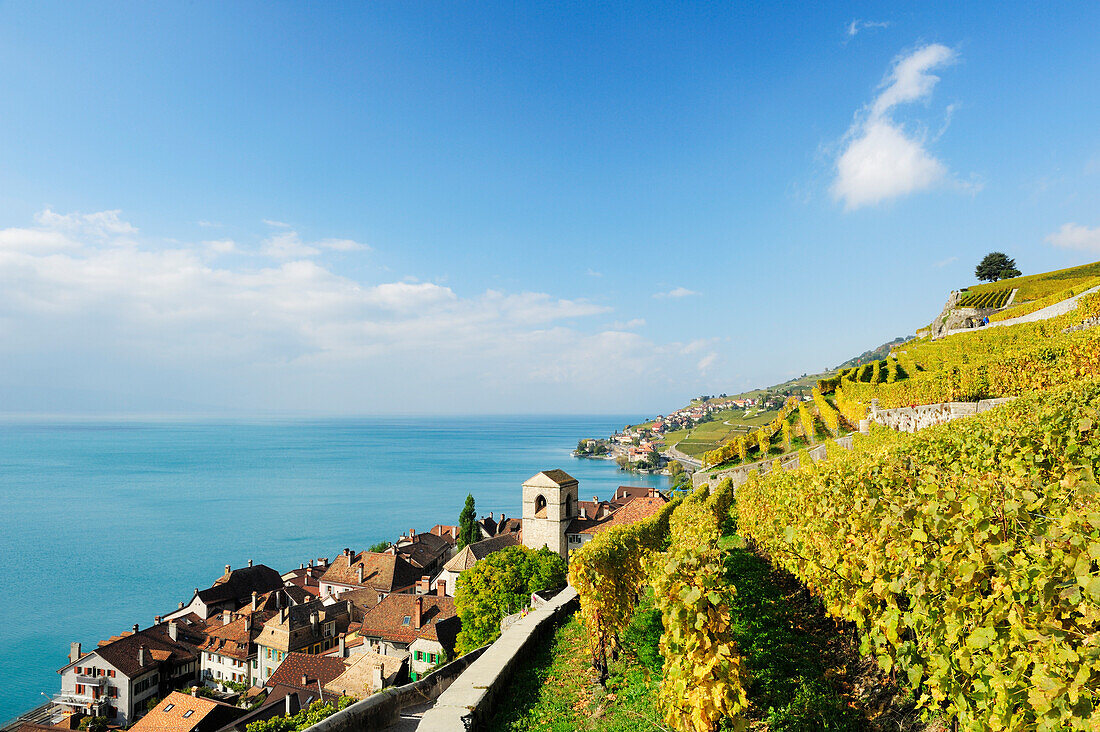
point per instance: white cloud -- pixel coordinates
(1076, 236)
(706, 362)
(101, 224)
(82, 313)
(288, 244)
(675, 293)
(208, 224)
(944, 262)
(594, 273)
(220, 246)
(629, 324)
(860, 25)
(277, 224)
(35, 241)
(880, 159)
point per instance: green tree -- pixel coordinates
(468, 531)
(379, 546)
(653, 459)
(996, 266)
(675, 467)
(94, 724)
(499, 585)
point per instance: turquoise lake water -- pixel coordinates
(104, 525)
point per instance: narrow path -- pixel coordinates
(806, 670)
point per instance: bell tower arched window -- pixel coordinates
(540, 507)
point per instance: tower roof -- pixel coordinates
(550, 479)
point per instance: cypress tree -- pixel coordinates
(468, 531)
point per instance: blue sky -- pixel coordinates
(412, 207)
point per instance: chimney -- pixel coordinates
(249, 562)
(376, 677)
(311, 562)
(194, 691)
(417, 610)
(227, 569)
(141, 656)
(286, 708)
(181, 604)
(226, 617)
(305, 680)
(303, 565)
(490, 515)
(135, 628)
(359, 573)
(412, 533)
(255, 600)
(282, 614)
(156, 620)
(441, 588)
(343, 650)
(314, 620)
(74, 652)
(424, 585)
(173, 630)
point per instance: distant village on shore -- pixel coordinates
(259, 643)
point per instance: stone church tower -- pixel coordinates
(549, 504)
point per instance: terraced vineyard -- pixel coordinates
(987, 299)
(967, 555)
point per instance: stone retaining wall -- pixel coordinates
(740, 473)
(468, 703)
(911, 419)
(382, 709)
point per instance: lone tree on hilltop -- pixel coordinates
(468, 531)
(996, 266)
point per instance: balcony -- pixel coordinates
(72, 699)
(97, 681)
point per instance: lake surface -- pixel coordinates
(103, 525)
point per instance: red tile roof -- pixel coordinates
(633, 510)
(314, 668)
(168, 716)
(438, 619)
(385, 572)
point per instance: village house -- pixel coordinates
(311, 628)
(491, 526)
(231, 591)
(425, 552)
(366, 673)
(179, 712)
(122, 673)
(308, 672)
(307, 576)
(230, 651)
(600, 516)
(384, 572)
(425, 626)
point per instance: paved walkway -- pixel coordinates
(410, 718)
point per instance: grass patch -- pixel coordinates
(557, 690)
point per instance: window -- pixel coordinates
(111, 673)
(433, 658)
(170, 707)
(316, 648)
(80, 688)
(407, 620)
(188, 713)
(540, 507)
(416, 655)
